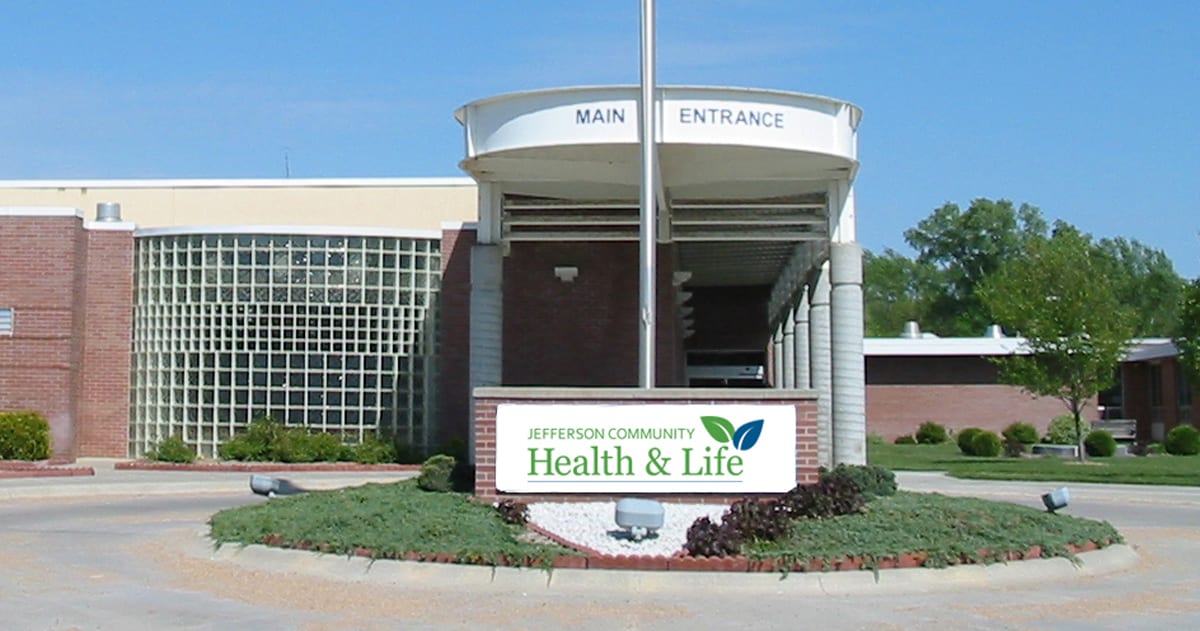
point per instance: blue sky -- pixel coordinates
(1084, 108)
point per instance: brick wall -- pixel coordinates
(68, 357)
(585, 332)
(485, 443)
(454, 328)
(38, 267)
(899, 409)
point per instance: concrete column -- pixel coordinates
(800, 343)
(789, 350)
(846, 342)
(821, 362)
(777, 357)
(487, 319)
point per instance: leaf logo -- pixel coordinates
(722, 431)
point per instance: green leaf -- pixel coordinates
(720, 429)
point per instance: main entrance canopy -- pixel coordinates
(755, 213)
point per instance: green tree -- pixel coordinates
(1145, 280)
(896, 289)
(1187, 331)
(967, 247)
(1076, 332)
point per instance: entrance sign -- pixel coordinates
(645, 448)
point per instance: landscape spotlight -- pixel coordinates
(266, 485)
(1056, 499)
(640, 517)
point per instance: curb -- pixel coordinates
(254, 467)
(41, 469)
(568, 575)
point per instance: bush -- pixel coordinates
(964, 440)
(1100, 444)
(756, 520)
(436, 474)
(906, 439)
(1062, 430)
(930, 433)
(257, 443)
(985, 444)
(1023, 433)
(873, 481)
(172, 449)
(706, 539)
(24, 436)
(374, 451)
(1183, 440)
(830, 497)
(1014, 448)
(513, 512)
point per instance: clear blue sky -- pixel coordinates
(1086, 108)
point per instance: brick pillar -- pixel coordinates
(104, 317)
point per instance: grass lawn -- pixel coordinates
(1162, 469)
(947, 528)
(390, 519)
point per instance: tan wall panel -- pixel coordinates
(360, 204)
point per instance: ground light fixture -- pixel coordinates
(271, 487)
(639, 517)
(1056, 499)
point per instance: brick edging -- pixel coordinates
(596, 561)
(41, 469)
(253, 467)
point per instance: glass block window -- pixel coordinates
(6, 321)
(332, 333)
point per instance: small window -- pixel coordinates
(6, 321)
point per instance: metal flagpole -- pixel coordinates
(647, 239)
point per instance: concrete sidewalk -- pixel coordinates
(109, 481)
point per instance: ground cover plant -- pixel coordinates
(391, 520)
(940, 530)
(1156, 469)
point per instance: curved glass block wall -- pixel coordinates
(336, 333)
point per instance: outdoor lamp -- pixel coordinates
(1056, 499)
(270, 487)
(640, 517)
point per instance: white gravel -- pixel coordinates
(593, 524)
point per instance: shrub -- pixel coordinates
(930, 433)
(172, 449)
(1100, 444)
(513, 512)
(1183, 440)
(873, 481)
(24, 436)
(906, 439)
(830, 497)
(1023, 433)
(1014, 448)
(964, 440)
(374, 451)
(1062, 430)
(985, 444)
(756, 520)
(704, 538)
(255, 444)
(436, 472)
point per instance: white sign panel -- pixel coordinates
(730, 449)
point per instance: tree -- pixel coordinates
(1076, 332)
(1145, 280)
(967, 247)
(897, 289)
(1187, 332)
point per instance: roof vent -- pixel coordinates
(994, 331)
(912, 330)
(108, 211)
